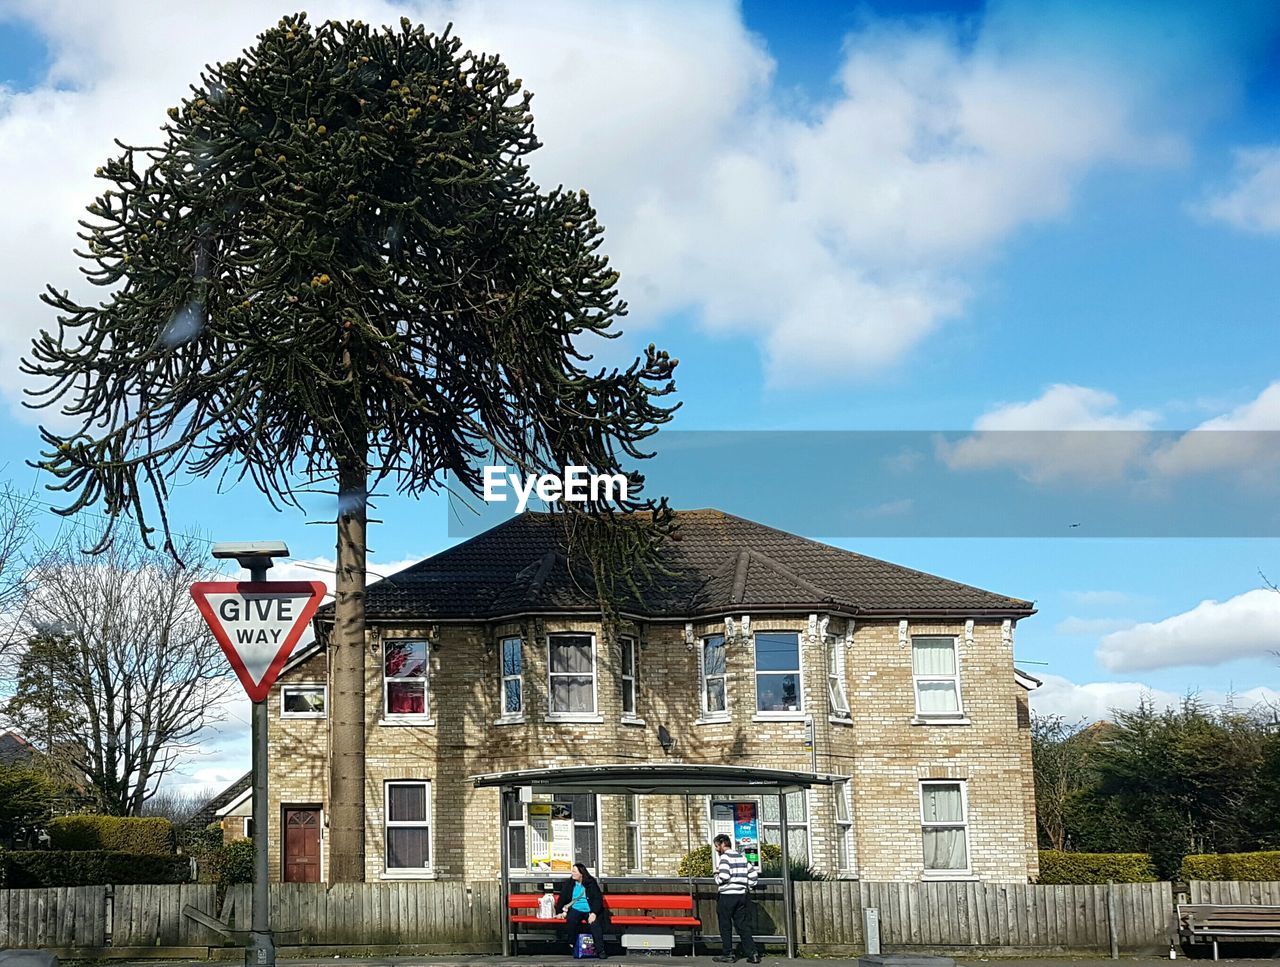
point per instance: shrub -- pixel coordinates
(37, 868)
(1232, 866)
(1059, 867)
(124, 834)
(235, 863)
(698, 862)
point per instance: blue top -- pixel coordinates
(580, 899)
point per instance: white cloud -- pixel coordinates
(1252, 201)
(1211, 633)
(1105, 441)
(839, 236)
(1093, 701)
(1246, 439)
(1088, 627)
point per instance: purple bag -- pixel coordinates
(584, 947)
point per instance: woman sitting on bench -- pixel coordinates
(580, 899)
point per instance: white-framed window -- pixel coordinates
(944, 810)
(629, 678)
(304, 700)
(511, 656)
(408, 826)
(778, 671)
(631, 815)
(404, 677)
(843, 795)
(712, 676)
(936, 674)
(571, 670)
(797, 824)
(527, 842)
(836, 692)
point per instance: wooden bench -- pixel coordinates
(625, 910)
(1211, 922)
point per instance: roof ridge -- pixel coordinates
(792, 576)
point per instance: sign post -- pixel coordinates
(257, 623)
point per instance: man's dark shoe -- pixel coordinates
(753, 959)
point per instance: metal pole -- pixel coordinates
(788, 915)
(262, 948)
(504, 860)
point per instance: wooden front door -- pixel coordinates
(301, 845)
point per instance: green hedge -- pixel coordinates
(698, 862)
(34, 868)
(1232, 866)
(124, 834)
(1060, 867)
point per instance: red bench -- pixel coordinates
(643, 910)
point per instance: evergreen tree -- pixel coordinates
(336, 267)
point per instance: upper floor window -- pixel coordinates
(404, 677)
(512, 677)
(778, 671)
(305, 701)
(572, 671)
(629, 677)
(711, 660)
(835, 680)
(937, 676)
(944, 826)
(408, 827)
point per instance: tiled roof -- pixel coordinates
(719, 563)
(207, 813)
(14, 749)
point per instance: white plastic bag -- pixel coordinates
(547, 907)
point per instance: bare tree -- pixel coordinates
(17, 522)
(118, 674)
(1061, 761)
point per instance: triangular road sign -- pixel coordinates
(257, 624)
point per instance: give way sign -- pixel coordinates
(257, 624)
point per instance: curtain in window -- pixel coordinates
(944, 849)
(937, 697)
(407, 804)
(933, 656)
(571, 675)
(408, 847)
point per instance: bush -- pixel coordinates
(36, 868)
(125, 834)
(1232, 866)
(1059, 867)
(234, 863)
(698, 862)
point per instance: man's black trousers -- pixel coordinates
(735, 914)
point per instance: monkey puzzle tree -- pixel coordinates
(336, 267)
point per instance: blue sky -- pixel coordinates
(881, 216)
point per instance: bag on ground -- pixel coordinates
(584, 947)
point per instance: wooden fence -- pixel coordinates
(458, 916)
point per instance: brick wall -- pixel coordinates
(879, 746)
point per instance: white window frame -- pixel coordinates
(594, 714)
(837, 689)
(719, 715)
(412, 873)
(798, 713)
(630, 676)
(929, 873)
(528, 837)
(792, 826)
(309, 686)
(407, 718)
(632, 830)
(958, 715)
(505, 717)
(843, 794)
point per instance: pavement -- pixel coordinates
(633, 960)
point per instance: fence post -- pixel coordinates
(1111, 920)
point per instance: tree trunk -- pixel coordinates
(347, 674)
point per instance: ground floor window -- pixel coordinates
(944, 826)
(797, 825)
(844, 826)
(631, 807)
(408, 826)
(551, 831)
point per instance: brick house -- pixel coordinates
(758, 648)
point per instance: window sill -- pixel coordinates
(303, 716)
(407, 875)
(571, 717)
(779, 717)
(840, 719)
(713, 720)
(959, 876)
(509, 720)
(940, 720)
(631, 720)
(407, 721)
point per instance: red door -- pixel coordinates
(301, 845)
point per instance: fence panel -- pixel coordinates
(1266, 892)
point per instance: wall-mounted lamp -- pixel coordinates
(666, 740)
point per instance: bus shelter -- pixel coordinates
(656, 779)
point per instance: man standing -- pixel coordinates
(735, 877)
